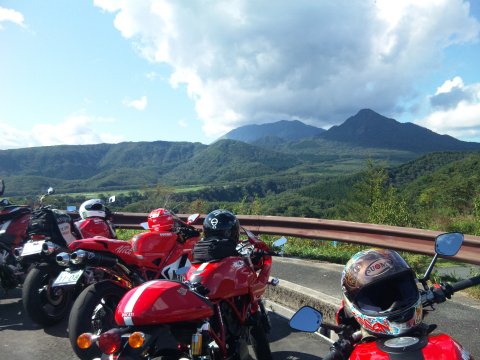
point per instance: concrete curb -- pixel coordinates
(295, 296)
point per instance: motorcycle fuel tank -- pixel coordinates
(153, 245)
(437, 347)
(225, 278)
(161, 302)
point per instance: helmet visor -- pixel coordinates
(388, 295)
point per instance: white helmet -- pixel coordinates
(92, 208)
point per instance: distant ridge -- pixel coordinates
(370, 129)
(284, 129)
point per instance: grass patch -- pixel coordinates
(127, 234)
(340, 253)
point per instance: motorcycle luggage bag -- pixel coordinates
(209, 249)
(46, 222)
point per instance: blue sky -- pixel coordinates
(80, 71)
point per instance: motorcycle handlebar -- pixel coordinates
(445, 291)
(464, 284)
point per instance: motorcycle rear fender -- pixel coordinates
(161, 302)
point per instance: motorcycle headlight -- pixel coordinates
(63, 259)
(78, 257)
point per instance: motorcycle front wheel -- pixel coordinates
(46, 305)
(93, 311)
(259, 341)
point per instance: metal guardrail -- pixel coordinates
(392, 237)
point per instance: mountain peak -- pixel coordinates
(285, 130)
(369, 129)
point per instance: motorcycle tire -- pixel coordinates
(93, 311)
(259, 341)
(45, 305)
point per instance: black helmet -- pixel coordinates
(222, 224)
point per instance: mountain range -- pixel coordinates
(273, 152)
(365, 129)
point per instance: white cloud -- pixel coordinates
(455, 110)
(245, 61)
(76, 130)
(12, 16)
(183, 123)
(139, 104)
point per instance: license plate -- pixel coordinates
(32, 247)
(68, 278)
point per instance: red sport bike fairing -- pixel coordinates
(214, 314)
(106, 269)
(419, 343)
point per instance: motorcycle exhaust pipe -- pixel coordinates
(17, 252)
(92, 258)
(63, 259)
(49, 247)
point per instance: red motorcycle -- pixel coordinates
(13, 233)
(23, 232)
(356, 343)
(106, 269)
(51, 231)
(214, 314)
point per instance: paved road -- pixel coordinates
(459, 317)
(20, 339)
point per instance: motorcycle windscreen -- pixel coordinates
(161, 302)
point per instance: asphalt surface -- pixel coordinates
(458, 317)
(21, 339)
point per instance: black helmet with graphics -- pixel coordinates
(380, 292)
(221, 224)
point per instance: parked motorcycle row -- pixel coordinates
(170, 293)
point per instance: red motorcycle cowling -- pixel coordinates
(120, 248)
(229, 277)
(161, 302)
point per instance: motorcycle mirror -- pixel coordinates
(182, 270)
(144, 225)
(112, 199)
(306, 319)
(250, 234)
(192, 218)
(2, 186)
(448, 244)
(280, 242)
(71, 208)
(50, 191)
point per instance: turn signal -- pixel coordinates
(84, 341)
(136, 340)
(110, 342)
